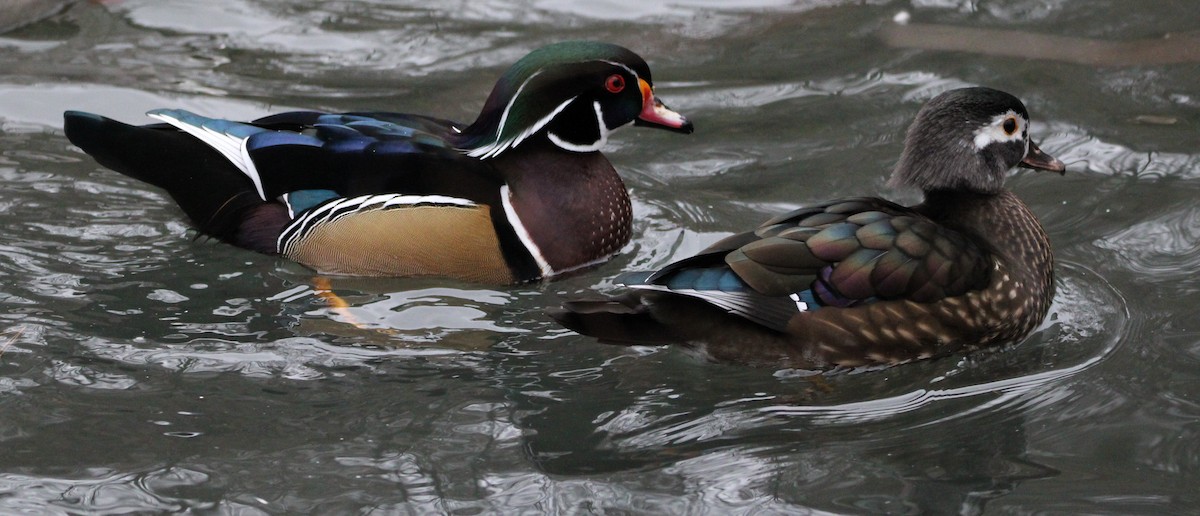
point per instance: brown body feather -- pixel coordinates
(574, 205)
(1014, 300)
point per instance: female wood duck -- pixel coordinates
(522, 193)
(863, 281)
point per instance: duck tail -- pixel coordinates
(218, 198)
(623, 320)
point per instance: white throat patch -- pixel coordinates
(597, 145)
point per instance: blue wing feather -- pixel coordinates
(330, 132)
(236, 129)
(352, 153)
(721, 287)
(303, 200)
(395, 147)
(265, 139)
(289, 119)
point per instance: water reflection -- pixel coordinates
(1095, 155)
(104, 490)
(1164, 247)
(36, 108)
(670, 420)
(18, 13)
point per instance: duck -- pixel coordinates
(521, 194)
(863, 282)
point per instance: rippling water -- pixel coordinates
(143, 369)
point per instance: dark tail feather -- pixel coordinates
(209, 189)
(616, 320)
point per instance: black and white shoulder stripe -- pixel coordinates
(338, 208)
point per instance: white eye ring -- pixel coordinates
(998, 130)
(1010, 125)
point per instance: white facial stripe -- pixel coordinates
(599, 144)
(994, 131)
(494, 149)
(513, 100)
(498, 146)
(627, 69)
(542, 123)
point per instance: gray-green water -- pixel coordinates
(144, 371)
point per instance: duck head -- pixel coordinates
(574, 94)
(967, 140)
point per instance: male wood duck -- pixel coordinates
(522, 193)
(863, 281)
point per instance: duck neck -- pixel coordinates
(570, 208)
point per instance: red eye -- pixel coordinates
(614, 83)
